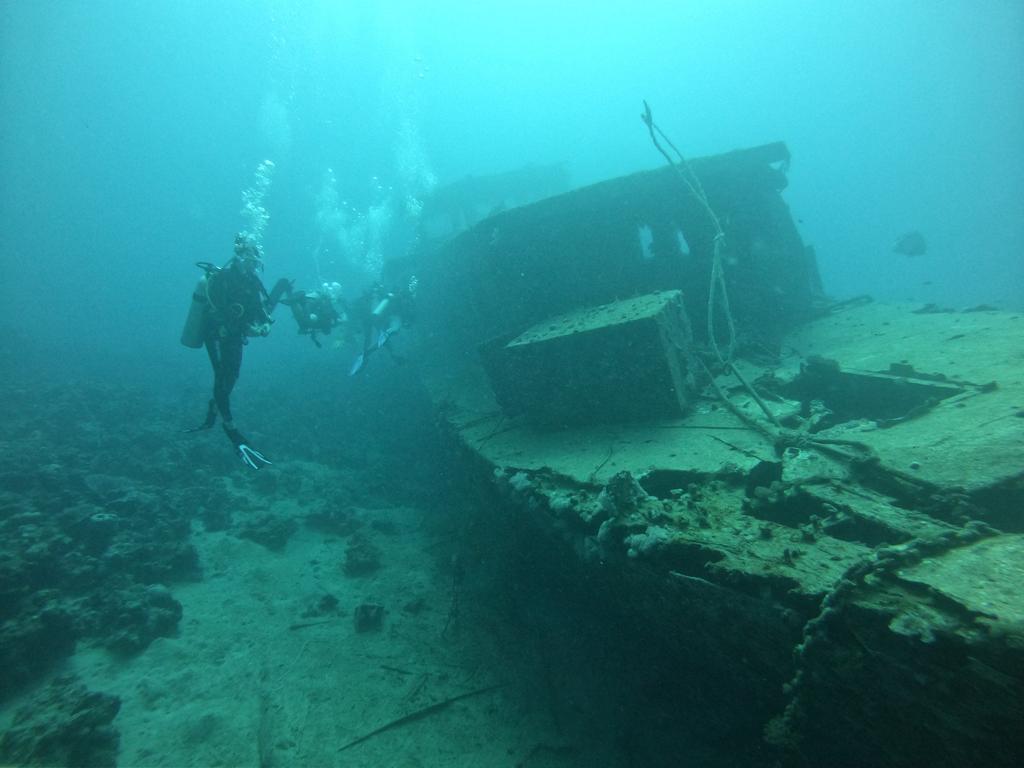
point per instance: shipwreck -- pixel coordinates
(814, 507)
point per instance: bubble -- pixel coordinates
(254, 212)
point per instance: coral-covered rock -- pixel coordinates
(269, 530)
(31, 642)
(333, 519)
(127, 620)
(67, 725)
(362, 557)
(153, 561)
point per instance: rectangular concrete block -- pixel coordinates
(624, 361)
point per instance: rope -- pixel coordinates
(717, 288)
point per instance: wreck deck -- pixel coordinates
(973, 440)
(721, 507)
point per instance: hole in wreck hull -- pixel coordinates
(763, 474)
(661, 483)
(796, 508)
(851, 396)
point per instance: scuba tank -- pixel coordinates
(194, 333)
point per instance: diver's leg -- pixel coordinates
(225, 374)
(211, 406)
(231, 365)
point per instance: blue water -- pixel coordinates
(131, 130)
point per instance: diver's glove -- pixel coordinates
(258, 329)
(211, 418)
(249, 456)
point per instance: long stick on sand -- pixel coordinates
(417, 715)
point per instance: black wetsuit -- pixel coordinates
(237, 302)
(307, 305)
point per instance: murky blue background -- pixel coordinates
(130, 130)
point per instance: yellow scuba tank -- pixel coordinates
(193, 333)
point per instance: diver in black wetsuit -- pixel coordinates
(229, 305)
(317, 312)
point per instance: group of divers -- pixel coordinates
(230, 304)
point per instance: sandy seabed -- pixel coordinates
(240, 686)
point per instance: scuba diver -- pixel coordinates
(382, 314)
(317, 311)
(229, 305)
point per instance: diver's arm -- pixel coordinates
(259, 310)
(282, 290)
